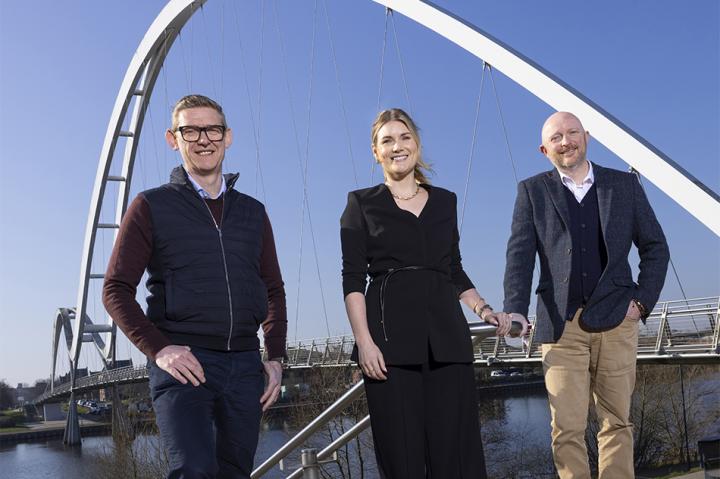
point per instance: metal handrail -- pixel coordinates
(477, 328)
(346, 437)
(310, 429)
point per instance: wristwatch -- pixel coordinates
(641, 307)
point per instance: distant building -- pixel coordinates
(24, 394)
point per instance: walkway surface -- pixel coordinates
(699, 475)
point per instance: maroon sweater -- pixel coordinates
(131, 256)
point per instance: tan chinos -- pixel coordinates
(603, 364)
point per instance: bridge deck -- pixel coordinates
(676, 331)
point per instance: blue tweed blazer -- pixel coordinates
(540, 227)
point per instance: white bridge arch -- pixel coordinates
(134, 95)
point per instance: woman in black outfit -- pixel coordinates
(411, 337)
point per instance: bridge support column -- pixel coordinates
(122, 429)
(71, 437)
(53, 412)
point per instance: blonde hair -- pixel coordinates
(396, 114)
(195, 101)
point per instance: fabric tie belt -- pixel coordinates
(384, 276)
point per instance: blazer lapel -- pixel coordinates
(557, 195)
(604, 195)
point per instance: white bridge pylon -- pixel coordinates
(136, 89)
(145, 66)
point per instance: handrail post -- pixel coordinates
(661, 330)
(297, 352)
(312, 349)
(716, 334)
(310, 465)
(325, 353)
(340, 351)
(531, 338)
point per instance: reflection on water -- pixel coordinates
(511, 422)
(526, 414)
(52, 459)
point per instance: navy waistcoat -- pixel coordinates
(589, 256)
(204, 281)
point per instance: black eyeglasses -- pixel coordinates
(192, 133)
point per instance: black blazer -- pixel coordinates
(541, 226)
(422, 310)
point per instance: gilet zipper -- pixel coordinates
(227, 277)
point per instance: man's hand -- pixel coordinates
(273, 373)
(181, 364)
(633, 312)
(526, 327)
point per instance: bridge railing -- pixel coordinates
(680, 328)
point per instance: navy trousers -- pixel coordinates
(210, 431)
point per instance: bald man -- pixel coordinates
(581, 220)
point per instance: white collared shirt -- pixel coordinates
(201, 191)
(579, 191)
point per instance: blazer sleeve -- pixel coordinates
(353, 239)
(457, 274)
(652, 247)
(520, 256)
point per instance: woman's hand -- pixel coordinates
(371, 361)
(499, 319)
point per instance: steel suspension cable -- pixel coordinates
(302, 176)
(256, 137)
(222, 52)
(472, 150)
(502, 124)
(672, 263)
(382, 69)
(258, 164)
(207, 45)
(188, 71)
(402, 66)
(306, 203)
(340, 93)
(163, 72)
(501, 118)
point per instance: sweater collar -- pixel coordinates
(179, 176)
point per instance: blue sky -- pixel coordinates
(654, 64)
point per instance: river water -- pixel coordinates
(523, 413)
(511, 420)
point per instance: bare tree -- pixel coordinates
(327, 385)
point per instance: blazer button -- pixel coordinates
(569, 250)
(565, 280)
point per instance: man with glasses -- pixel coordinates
(213, 279)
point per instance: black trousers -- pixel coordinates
(425, 422)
